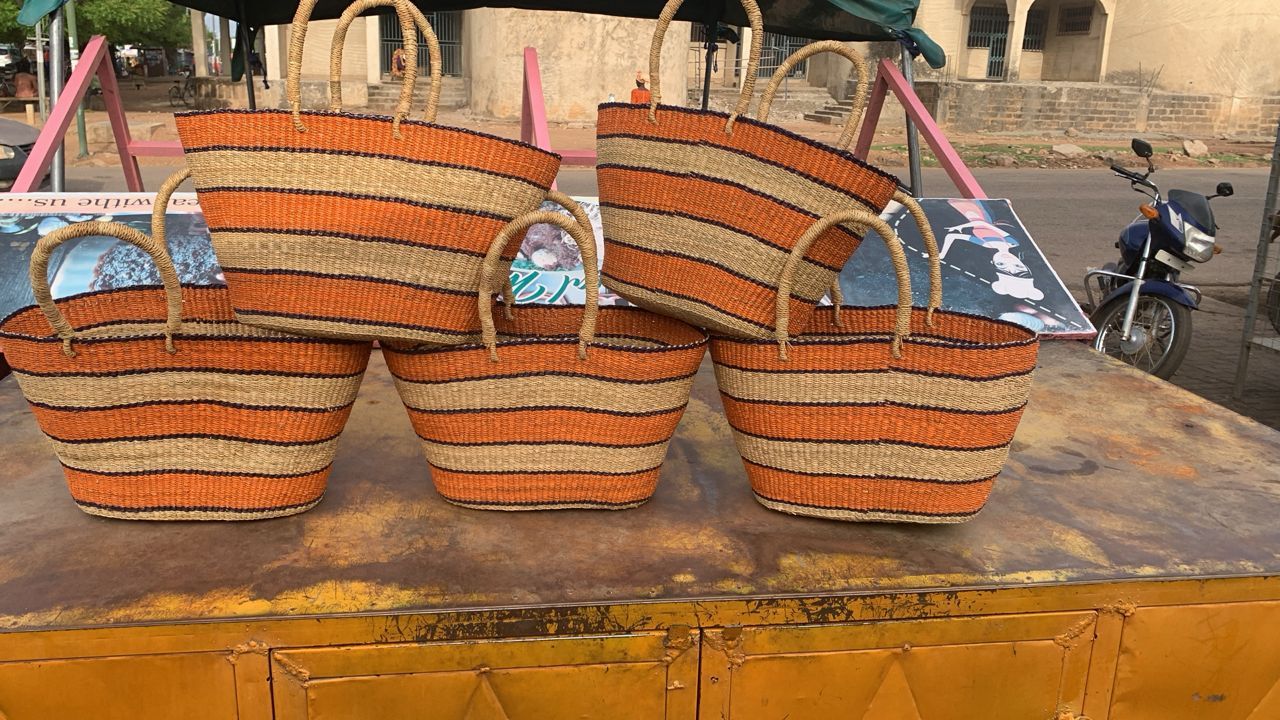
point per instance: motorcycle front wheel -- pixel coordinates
(1161, 330)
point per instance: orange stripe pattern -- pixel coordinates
(541, 428)
(844, 430)
(276, 199)
(238, 423)
(752, 193)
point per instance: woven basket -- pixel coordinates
(163, 407)
(357, 226)
(887, 414)
(558, 407)
(701, 209)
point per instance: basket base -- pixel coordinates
(177, 514)
(849, 515)
(558, 505)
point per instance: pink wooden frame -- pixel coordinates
(533, 115)
(889, 78)
(93, 60)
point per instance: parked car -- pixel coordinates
(8, 55)
(16, 141)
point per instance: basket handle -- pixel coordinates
(782, 310)
(579, 229)
(406, 87)
(860, 89)
(754, 18)
(930, 244)
(156, 249)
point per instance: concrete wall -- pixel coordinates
(357, 56)
(1224, 47)
(1072, 57)
(583, 58)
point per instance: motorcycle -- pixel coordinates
(1143, 316)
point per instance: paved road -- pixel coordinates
(1075, 217)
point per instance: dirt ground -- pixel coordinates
(150, 111)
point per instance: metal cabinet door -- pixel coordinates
(641, 676)
(1013, 666)
(194, 686)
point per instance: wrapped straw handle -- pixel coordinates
(782, 311)
(860, 89)
(156, 249)
(754, 18)
(585, 239)
(930, 244)
(410, 74)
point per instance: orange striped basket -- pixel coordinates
(701, 209)
(884, 414)
(160, 406)
(357, 226)
(558, 407)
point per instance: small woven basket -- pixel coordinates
(357, 226)
(556, 407)
(885, 414)
(162, 407)
(701, 209)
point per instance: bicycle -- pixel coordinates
(184, 93)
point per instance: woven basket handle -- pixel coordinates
(754, 18)
(579, 229)
(156, 249)
(859, 94)
(407, 84)
(782, 311)
(930, 244)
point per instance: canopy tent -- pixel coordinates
(815, 19)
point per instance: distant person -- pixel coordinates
(24, 82)
(641, 95)
(398, 64)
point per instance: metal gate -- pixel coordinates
(448, 28)
(778, 48)
(989, 28)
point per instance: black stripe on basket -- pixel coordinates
(369, 116)
(195, 436)
(356, 278)
(756, 158)
(548, 373)
(192, 471)
(690, 298)
(879, 510)
(567, 504)
(506, 340)
(881, 371)
(356, 321)
(370, 155)
(192, 369)
(538, 408)
(897, 443)
(929, 339)
(912, 406)
(705, 261)
(933, 481)
(526, 443)
(198, 508)
(216, 403)
(568, 473)
(372, 239)
(353, 196)
(725, 226)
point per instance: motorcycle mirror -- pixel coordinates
(1224, 189)
(1141, 148)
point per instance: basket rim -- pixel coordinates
(371, 116)
(830, 149)
(840, 336)
(565, 339)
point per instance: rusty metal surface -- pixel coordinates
(1114, 476)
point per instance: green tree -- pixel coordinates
(10, 30)
(151, 23)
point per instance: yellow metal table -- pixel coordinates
(1125, 568)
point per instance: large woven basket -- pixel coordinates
(162, 407)
(556, 407)
(357, 226)
(701, 209)
(888, 414)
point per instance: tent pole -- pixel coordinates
(913, 139)
(709, 29)
(242, 29)
(57, 68)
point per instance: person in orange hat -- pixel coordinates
(641, 95)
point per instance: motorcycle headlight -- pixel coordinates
(1199, 246)
(6, 152)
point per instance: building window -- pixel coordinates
(1037, 27)
(1075, 20)
(986, 22)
